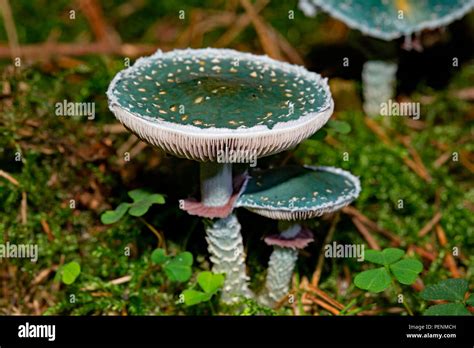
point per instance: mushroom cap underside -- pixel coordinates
(298, 193)
(197, 103)
(391, 19)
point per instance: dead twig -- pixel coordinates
(429, 226)
(352, 211)
(10, 28)
(366, 234)
(10, 178)
(266, 37)
(319, 267)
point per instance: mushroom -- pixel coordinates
(388, 20)
(294, 194)
(218, 107)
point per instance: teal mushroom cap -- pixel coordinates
(391, 19)
(194, 103)
(298, 193)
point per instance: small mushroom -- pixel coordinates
(293, 194)
(220, 106)
(388, 20)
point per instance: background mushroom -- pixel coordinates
(209, 104)
(293, 194)
(388, 20)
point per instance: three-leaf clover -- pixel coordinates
(376, 280)
(142, 201)
(177, 268)
(209, 282)
(452, 290)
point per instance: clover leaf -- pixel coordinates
(376, 280)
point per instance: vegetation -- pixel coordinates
(60, 176)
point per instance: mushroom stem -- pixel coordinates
(379, 82)
(216, 183)
(280, 269)
(227, 255)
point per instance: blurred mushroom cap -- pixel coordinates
(199, 103)
(299, 193)
(391, 19)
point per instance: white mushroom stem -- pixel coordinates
(224, 238)
(379, 82)
(227, 255)
(280, 269)
(216, 183)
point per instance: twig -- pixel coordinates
(448, 259)
(46, 229)
(121, 280)
(239, 25)
(48, 49)
(350, 210)
(429, 226)
(94, 15)
(9, 22)
(269, 45)
(10, 178)
(325, 297)
(24, 208)
(323, 304)
(317, 273)
(366, 234)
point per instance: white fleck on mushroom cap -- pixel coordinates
(299, 193)
(196, 103)
(391, 19)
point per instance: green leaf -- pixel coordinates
(447, 309)
(374, 280)
(193, 297)
(112, 216)
(178, 269)
(339, 126)
(449, 289)
(470, 300)
(158, 256)
(138, 194)
(210, 282)
(69, 272)
(384, 257)
(319, 135)
(143, 200)
(406, 271)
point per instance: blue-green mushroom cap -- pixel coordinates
(194, 103)
(298, 193)
(391, 19)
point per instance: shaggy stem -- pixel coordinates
(224, 238)
(379, 82)
(227, 256)
(280, 269)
